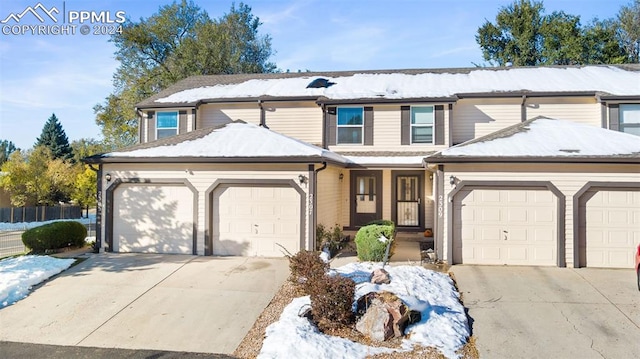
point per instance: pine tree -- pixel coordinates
(54, 138)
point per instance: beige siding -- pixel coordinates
(582, 110)
(301, 120)
(474, 118)
(429, 203)
(210, 115)
(568, 178)
(201, 176)
(330, 197)
(386, 194)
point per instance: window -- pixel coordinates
(166, 124)
(350, 125)
(630, 119)
(422, 124)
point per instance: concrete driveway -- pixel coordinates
(145, 301)
(535, 312)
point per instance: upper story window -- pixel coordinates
(166, 124)
(350, 123)
(422, 119)
(630, 119)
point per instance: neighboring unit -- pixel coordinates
(525, 166)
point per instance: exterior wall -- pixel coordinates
(568, 178)
(211, 115)
(583, 110)
(330, 195)
(300, 120)
(202, 176)
(387, 132)
(473, 118)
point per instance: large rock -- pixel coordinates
(385, 316)
(380, 276)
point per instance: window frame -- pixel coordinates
(158, 128)
(432, 125)
(338, 126)
(621, 124)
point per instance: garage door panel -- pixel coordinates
(153, 219)
(612, 227)
(496, 226)
(262, 216)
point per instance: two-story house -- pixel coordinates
(536, 166)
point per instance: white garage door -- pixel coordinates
(505, 227)
(153, 219)
(612, 228)
(251, 221)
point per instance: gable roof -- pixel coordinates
(235, 142)
(390, 85)
(543, 139)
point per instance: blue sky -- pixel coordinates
(69, 74)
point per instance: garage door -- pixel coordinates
(252, 221)
(612, 228)
(514, 226)
(153, 219)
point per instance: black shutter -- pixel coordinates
(151, 126)
(368, 126)
(182, 122)
(141, 122)
(330, 131)
(439, 125)
(614, 117)
(193, 119)
(405, 125)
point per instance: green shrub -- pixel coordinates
(332, 301)
(368, 244)
(55, 235)
(307, 268)
(329, 238)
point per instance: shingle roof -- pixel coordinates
(400, 84)
(545, 139)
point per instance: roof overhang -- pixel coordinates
(519, 94)
(567, 159)
(361, 101)
(215, 160)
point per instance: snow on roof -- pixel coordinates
(545, 137)
(234, 140)
(399, 85)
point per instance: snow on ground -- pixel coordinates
(444, 323)
(18, 275)
(19, 226)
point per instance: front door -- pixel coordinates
(408, 199)
(366, 197)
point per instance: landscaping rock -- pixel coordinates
(380, 276)
(383, 316)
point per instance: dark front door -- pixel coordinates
(366, 197)
(408, 197)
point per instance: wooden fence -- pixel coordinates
(38, 214)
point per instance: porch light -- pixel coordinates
(452, 180)
(302, 179)
(108, 177)
(341, 177)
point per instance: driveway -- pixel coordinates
(145, 301)
(539, 312)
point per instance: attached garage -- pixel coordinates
(512, 226)
(153, 218)
(255, 220)
(609, 227)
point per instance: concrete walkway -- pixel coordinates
(144, 301)
(540, 312)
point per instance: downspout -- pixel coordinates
(324, 124)
(98, 244)
(263, 115)
(313, 190)
(523, 109)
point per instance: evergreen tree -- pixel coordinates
(6, 148)
(54, 138)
